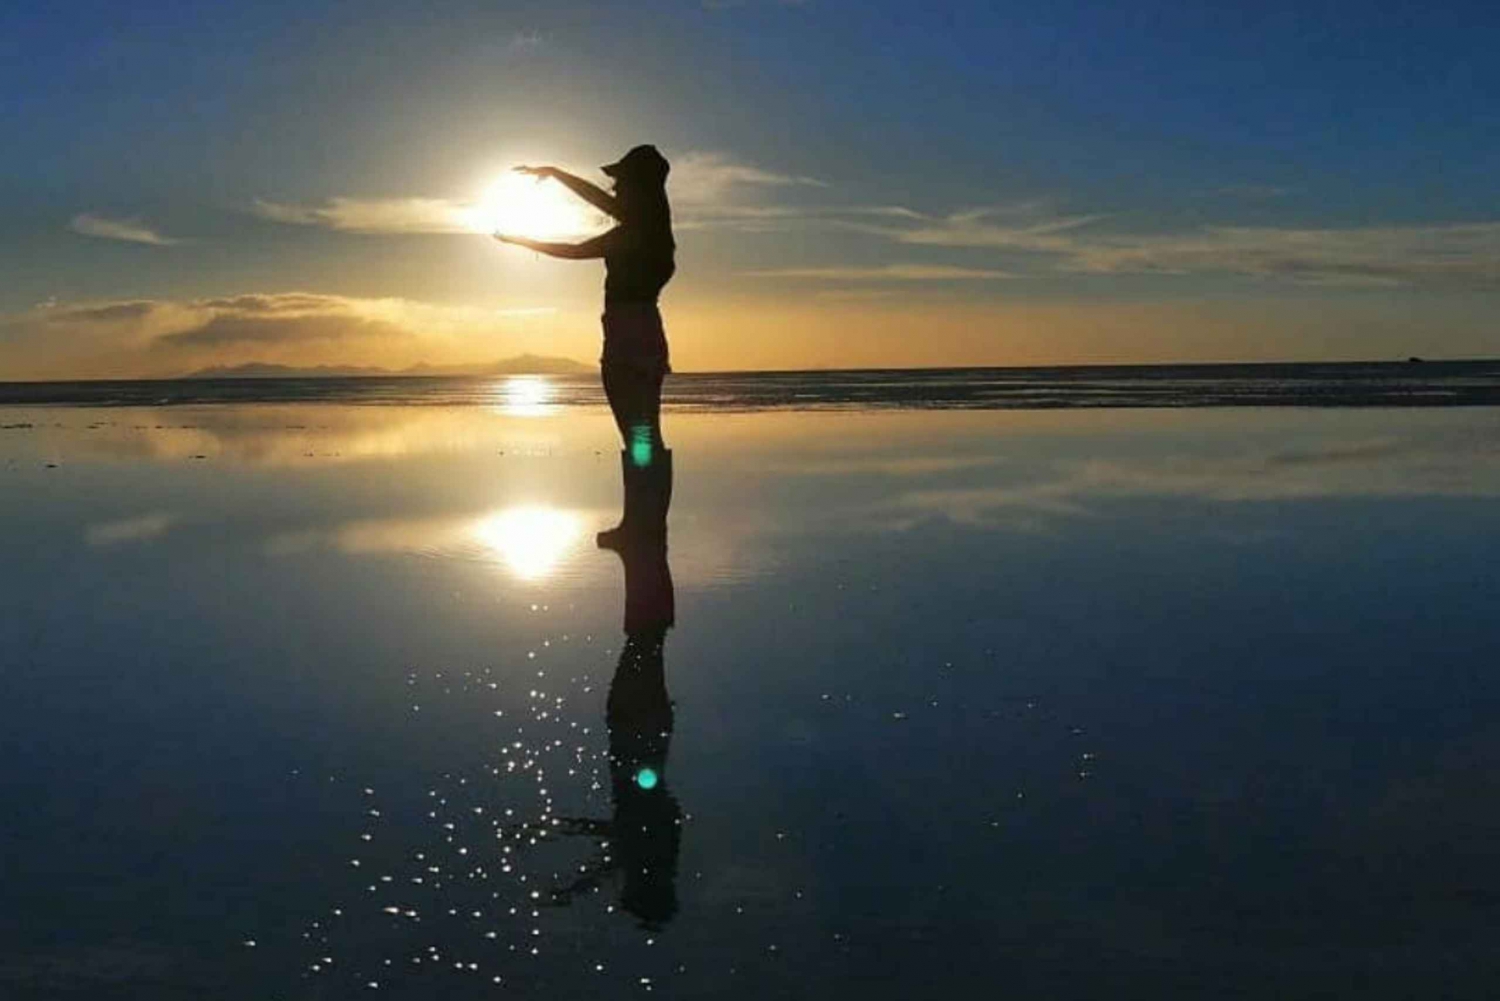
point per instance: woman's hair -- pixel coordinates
(643, 203)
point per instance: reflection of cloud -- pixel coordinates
(128, 230)
(535, 542)
(1363, 451)
(531, 541)
(276, 435)
(83, 970)
(1014, 506)
(883, 466)
(1376, 468)
(128, 530)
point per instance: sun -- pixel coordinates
(526, 206)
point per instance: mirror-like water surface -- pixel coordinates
(311, 701)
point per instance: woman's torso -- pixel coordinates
(639, 265)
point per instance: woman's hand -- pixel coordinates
(537, 172)
(519, 241)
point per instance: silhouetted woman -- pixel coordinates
(638, 261)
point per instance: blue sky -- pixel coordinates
(1061, 182)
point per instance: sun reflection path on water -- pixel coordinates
(525, 396)
(531, 541)
(458, 883)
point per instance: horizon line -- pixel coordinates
(399, 374)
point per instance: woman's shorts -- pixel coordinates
(634, 338)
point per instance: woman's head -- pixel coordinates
(640, 178)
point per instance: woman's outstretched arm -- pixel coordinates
(595, 247)
(587, 190)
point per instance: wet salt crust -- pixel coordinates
(1090, 704)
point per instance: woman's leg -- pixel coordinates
(634, 394)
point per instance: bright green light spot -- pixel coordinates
(640, 445)
(646, 778)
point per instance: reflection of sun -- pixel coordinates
(525, 206)
(531, 541)
(525, 396)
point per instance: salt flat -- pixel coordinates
(1070, 704)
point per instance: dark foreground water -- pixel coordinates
(309, 702)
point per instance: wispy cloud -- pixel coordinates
(1253, 191)
(716, 190)
(111, 312)
(1026, 226)
(1465, 254)
(364, 215)
(523, 42)
(1451, 255)
(732, 4)
(888, 272)
(706, 188)
(712, 189)
(700, 178)
(128, 230)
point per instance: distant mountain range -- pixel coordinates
(519, 365)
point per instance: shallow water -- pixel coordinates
(1291, 384)
(1057, 704)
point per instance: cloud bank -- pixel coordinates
(169, 337)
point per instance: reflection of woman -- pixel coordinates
(644, 836)
(647, 823)
(638, 261)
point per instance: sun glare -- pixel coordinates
(524, 206)
(530, 541)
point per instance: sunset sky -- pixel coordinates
(871, 184)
